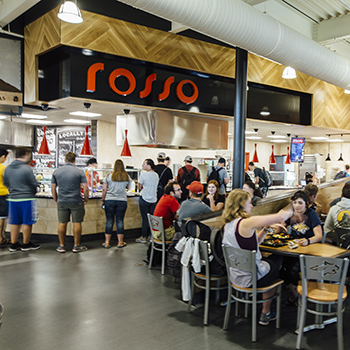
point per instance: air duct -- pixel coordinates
(239, 24)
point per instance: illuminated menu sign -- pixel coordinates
(297, 149)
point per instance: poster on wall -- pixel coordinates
(297, 149)
(45, 160)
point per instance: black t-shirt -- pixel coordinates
(221, 199)
(259, 173)
(168, 174)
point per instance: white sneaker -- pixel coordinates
(140, 240)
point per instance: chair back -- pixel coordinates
(156, 224)
(1, 313)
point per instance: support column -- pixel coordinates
(240, 112)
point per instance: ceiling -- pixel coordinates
(325, 21)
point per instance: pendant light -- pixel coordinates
(44, 148)
(328, 159)
(272, 159)
(289, 73)
(340, 159)
(255, 157)
(265, 111)
(69, 12)
(288, 153)
(86, 149)
(126, 149)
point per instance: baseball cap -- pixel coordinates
(161, 155)
(188, 159)
(196, 187)
(222, 160)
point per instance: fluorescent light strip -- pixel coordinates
(279, 141)
(85, 114)
(334, 140)
(277, 136)
(250, 132)
(76, 121)
(253, 137)
(319, 138)
(2, 117)
(42, 122)
(32, 116)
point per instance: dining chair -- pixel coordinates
(1, 313)
(322, 283)
(245, 260)
(156, 225)
(205, 280)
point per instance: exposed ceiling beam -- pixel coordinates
(333, 30)
(177, 28)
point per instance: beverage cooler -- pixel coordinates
(282, 174)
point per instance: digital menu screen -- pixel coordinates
(297, 149)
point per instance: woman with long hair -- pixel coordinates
(256, 193)
(148, 183)
(114, 200)
(246, 232)
(212, 197)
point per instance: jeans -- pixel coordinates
(145, 208)
(117, 209)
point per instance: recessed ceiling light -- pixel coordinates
(32, 116)
(85, 114)
(279, 141)
(253, 137)
(277, 136)
(319, 138)
(42, 122)
(2, 117)
(76, 121)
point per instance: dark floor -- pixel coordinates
(107, 299)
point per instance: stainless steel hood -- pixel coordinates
(160, 128)
(16, 134)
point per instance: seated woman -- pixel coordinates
(256, 193)
(241, 232)
(306, 226)
(212, 197)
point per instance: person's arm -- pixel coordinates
(54, 192)
(197, 175)
(140, 186)
(226, 180)
(104, 191)
(86, 192)
(212, 205)
(315, 239)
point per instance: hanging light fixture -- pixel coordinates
(69, 12)
(255, 157)
(265, 111)
(346, 91)
(289, 73)
(126, 149)
(288, 153)
(328, 159)
(340, 159)
(86, 149)
(44, 148)
(272, 159)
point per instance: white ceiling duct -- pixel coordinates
(239, 24)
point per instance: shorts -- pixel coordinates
(22, 212)
(64, 211)
(3, 207)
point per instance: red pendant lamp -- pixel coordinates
(255, 157)
(126, 149)
(44, 148)
(288, 157)
(86, 150)
(272, 159)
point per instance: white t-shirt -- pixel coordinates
(149, 181)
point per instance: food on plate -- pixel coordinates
(281, 236)
(273, 242)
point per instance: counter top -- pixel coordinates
(96, 195)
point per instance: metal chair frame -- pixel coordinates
(208, 278)
(245, 260)
(156, 224)
(1, 313)
(320, 270)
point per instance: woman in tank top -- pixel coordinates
(244, 232)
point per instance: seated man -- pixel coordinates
(167, 208)
(193, 206)
(338, 215)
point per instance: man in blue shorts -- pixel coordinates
(69, 179)
(21, 183)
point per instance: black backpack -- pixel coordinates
(187, 177)
(174, 257)
(214, 175)
(160, 187)
(340, 175)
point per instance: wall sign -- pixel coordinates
(297, 149)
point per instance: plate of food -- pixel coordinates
(273, 242)
(282, 236)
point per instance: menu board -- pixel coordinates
(297, 149)
(60, 140)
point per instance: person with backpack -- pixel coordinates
(219, 173)
(165, 175)
(186, 175)
(260, 178)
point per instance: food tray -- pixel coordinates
(281, 236)
(273, 242)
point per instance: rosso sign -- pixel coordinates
(122, 72)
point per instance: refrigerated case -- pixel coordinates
(282, 174)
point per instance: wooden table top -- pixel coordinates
(316, 249)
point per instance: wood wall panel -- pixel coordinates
(40, 36)
(112, 36)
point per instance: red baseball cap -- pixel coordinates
(196, 187)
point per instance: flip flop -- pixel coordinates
(121, 245)
(106, 246)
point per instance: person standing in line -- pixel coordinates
(3, 198)
(94, 181)
(260, 178)
(69, 179)
(167, 161)
(222, 177)
(21, 183)
(186, 175)
(115, 201)
(165, 174)
(148, 183)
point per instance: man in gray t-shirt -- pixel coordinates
(193, 206)
(69, 180)
(221, 171)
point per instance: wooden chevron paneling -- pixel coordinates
(112, 36)
(40, 36)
